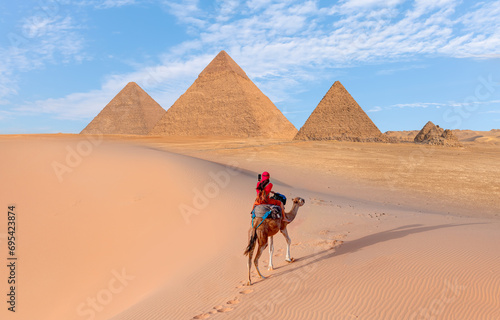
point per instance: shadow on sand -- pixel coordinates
(360, 243)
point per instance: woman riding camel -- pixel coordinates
(264, 188)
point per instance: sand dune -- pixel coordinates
(488, 140)
(116, 211)
(131, 231)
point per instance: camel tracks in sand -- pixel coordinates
(329, 240)
(376, 215)
(222, 309)
(321, 202)
(229, 306)
(216, 309)
(246, 291)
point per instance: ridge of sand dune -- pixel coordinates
(116, 210)
(488, 140)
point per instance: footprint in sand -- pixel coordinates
(247, 291)
(337, 243)
(223, 309)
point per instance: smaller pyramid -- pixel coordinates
(428, 132)
(339, 117)
(132, 111)
(434, 135)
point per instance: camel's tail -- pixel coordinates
(251, 242)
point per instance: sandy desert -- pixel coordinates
(129, 227)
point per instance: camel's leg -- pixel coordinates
(288, 242)
(257, 256)
(271, 251)
(250, 255)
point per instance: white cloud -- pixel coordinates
(422, 7)
(490, 112)
(44, 37)
(164, 83)
(40, 39)
(258, 4)
(375, 109)
(484, 19)
(417, 105)
(227, 8)
(115, 3)
(5, 114)
(357, 4)
(405, 68)
(275, 41)
(99, 4)
(187, 11)
(303, 8)
(449, 104)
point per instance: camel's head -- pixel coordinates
(299, 201)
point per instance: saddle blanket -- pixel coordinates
(260, 210)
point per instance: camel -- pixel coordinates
(267, 230)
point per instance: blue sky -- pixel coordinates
(405, 62)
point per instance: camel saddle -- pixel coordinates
(267, 210)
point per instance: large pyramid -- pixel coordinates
(339, 117)
(223, 101)
(132, 111)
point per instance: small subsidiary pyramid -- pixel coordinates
(132, 111)
(339, 117)
(223, 101)
(429, 131)
(434, 135)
